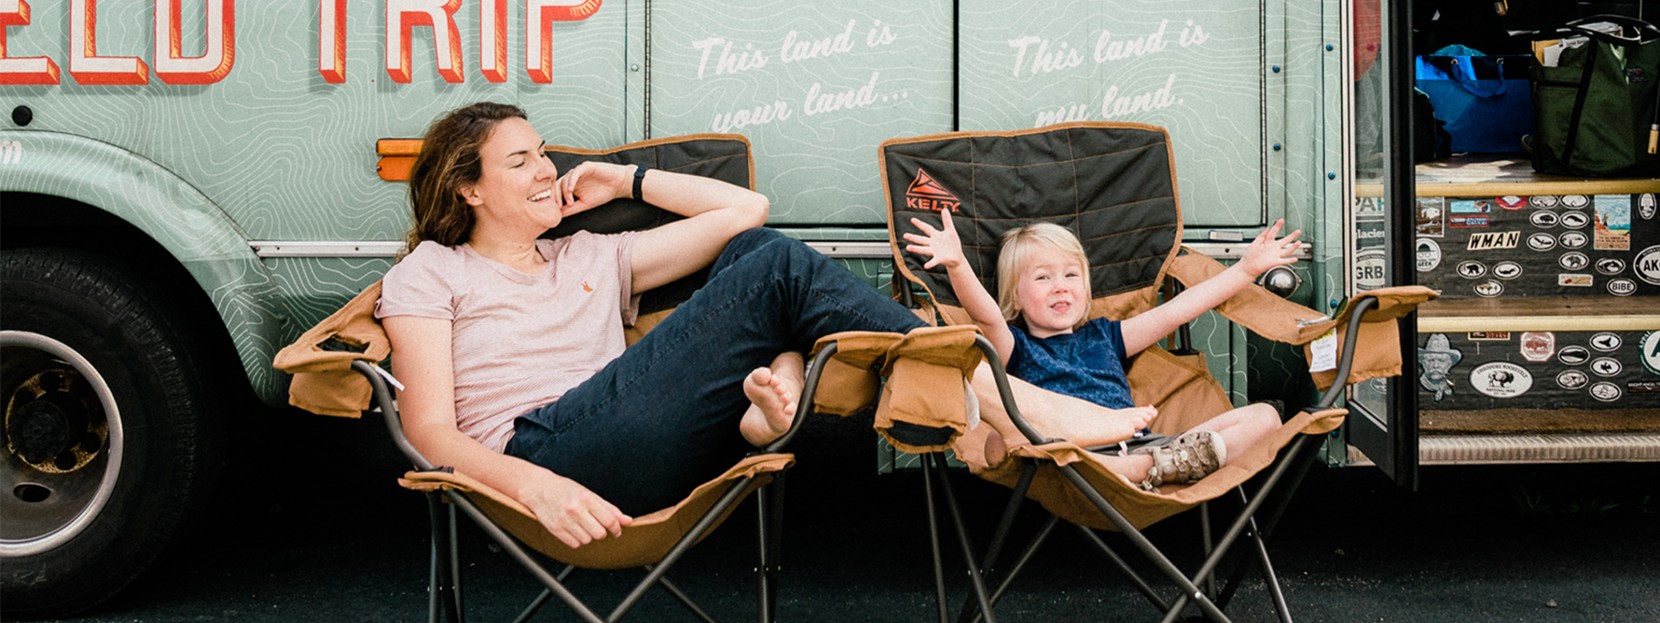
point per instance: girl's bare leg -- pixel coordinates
(774, 393)
(1053, 415)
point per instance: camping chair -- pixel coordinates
(335, 372)
(1113, 184)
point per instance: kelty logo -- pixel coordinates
(926, 193)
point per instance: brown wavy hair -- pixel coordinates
(449, 159)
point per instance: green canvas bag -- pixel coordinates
(1596, 108)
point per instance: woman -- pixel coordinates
(510, 347)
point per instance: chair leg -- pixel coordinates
(976, 580)
(999, 537)
(444, 579)
(934, 539)
(1246, 519)
(733, 493)
(683, 598)
(1189, 589)
(1135, 578)
(769, 526)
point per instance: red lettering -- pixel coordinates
(84, 62)
(23, 69)
(331, 40)
(217, 57)
(539, 18)
(930, 205)
(402, 16)
(492, 40)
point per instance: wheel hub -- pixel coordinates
(63, 443)
(51, 426)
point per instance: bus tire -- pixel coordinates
(110, 443)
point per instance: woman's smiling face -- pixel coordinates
(515, 184)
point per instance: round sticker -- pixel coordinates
(1573, 260)
(1607, 366)
(1572, 379)
(1538, 346)
(1507, 270)
(1544, 220)
(1574, 239)
(1645, 206)
(1544, 202)
(1575, 201)
(1606, 342)
(1647, 265)
(1573, 355)
(1574, 220)
(1489, 289)
(1429, 255)
(1610, 265)
(1605, 391)
(1471, 269)
(1501, 379)
(1622, 287)
(1648, 350)
(1541, 242)
(1370, 267)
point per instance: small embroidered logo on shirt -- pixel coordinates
(586, 287)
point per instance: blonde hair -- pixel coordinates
(1016, 249)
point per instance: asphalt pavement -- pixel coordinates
(314, 528)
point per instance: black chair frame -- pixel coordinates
(445, 599)
(1259, 513)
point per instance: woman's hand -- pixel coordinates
(941, 246)
(572, 513)
(592, 184)
(1267, 251)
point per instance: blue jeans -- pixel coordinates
(663, 418)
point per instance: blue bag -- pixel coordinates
(1486, 101)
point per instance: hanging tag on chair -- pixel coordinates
(1323, 351)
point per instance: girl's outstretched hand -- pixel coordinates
(941, 246)
(1268, 250)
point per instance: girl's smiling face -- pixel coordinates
(515, 184)
(1051, 290)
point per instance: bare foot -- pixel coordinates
(773, 393)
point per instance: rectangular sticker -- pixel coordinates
(1432, 217)
(1490, 336)
(1576, 281)
(1466, 221)
(1468, 206)
(1613, 223)
(1488, 241)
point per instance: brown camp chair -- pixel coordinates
(335, 372)
(1113, 184)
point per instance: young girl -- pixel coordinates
(1039, 325)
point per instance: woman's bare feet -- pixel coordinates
(773, 393)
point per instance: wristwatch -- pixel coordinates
(639, 180)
